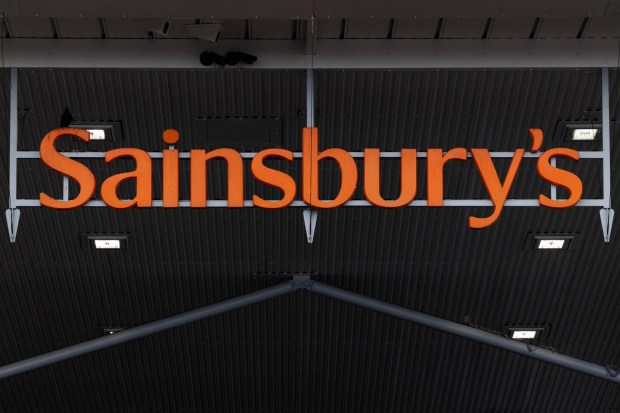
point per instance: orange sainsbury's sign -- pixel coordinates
(497, 188)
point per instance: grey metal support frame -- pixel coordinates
(12, 214)
(305, 282)
(147, 329)
(606, 213)
(310, 215)
(464, 331)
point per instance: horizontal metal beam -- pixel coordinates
(462, 330)
(299, 155)
(330, 54)
(146, 329)
(221, 203)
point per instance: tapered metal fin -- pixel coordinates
(12, 220)
(607, 219)
(310, 217)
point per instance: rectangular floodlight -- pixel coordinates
(580, 134)
(580, 131)
(525, 333)
(97, 134)
(104, 242)
(107, 244)
(111, 330)
(100, 131)
(552, 242)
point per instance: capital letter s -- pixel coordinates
(66, 166)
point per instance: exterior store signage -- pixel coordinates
(497, 187)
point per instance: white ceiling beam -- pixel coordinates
(303, 9)
(291, 54)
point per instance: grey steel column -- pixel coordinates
(607, 213)
(12, 213)
(146, 329)
(461, 330)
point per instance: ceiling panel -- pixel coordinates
(420, 28)
(469, 9)
(282, 9)
(551, 28)
(79, 28)
(329, 28)
(603, 27)
(512, 28)
(124, 29)
(368, 28)
(32, 27)
(234, 29)
(272, 29)
(459, 28)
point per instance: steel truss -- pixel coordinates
(305, 282)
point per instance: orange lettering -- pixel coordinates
(142, 175)
(170, 185)
(372, 189)
(560, 177)
(311, 158)
(274, 178)
(66, 166)
(198, 176)
(434, 174)
(497, 191)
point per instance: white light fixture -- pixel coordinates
(583, 134)
(104, 241)
(103, 131)
(525, 333)
(552, 242)
(107, 244)
(580, 131)
(111, 330)
(96, 134)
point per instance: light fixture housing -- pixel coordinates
(525, 333)
(582, 134)
(550, 242)
(108, 331)
(102, 242)
(100, 131)
(581, 131)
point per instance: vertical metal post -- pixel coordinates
(13, 141)
(606, 143)
(607, 214)
(12, 214)
(65, 188)
(310, 215)
(554, 188)
(310, 98)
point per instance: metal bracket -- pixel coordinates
(302, 281)
(310, 217)
(607, 219)
(12, 220)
